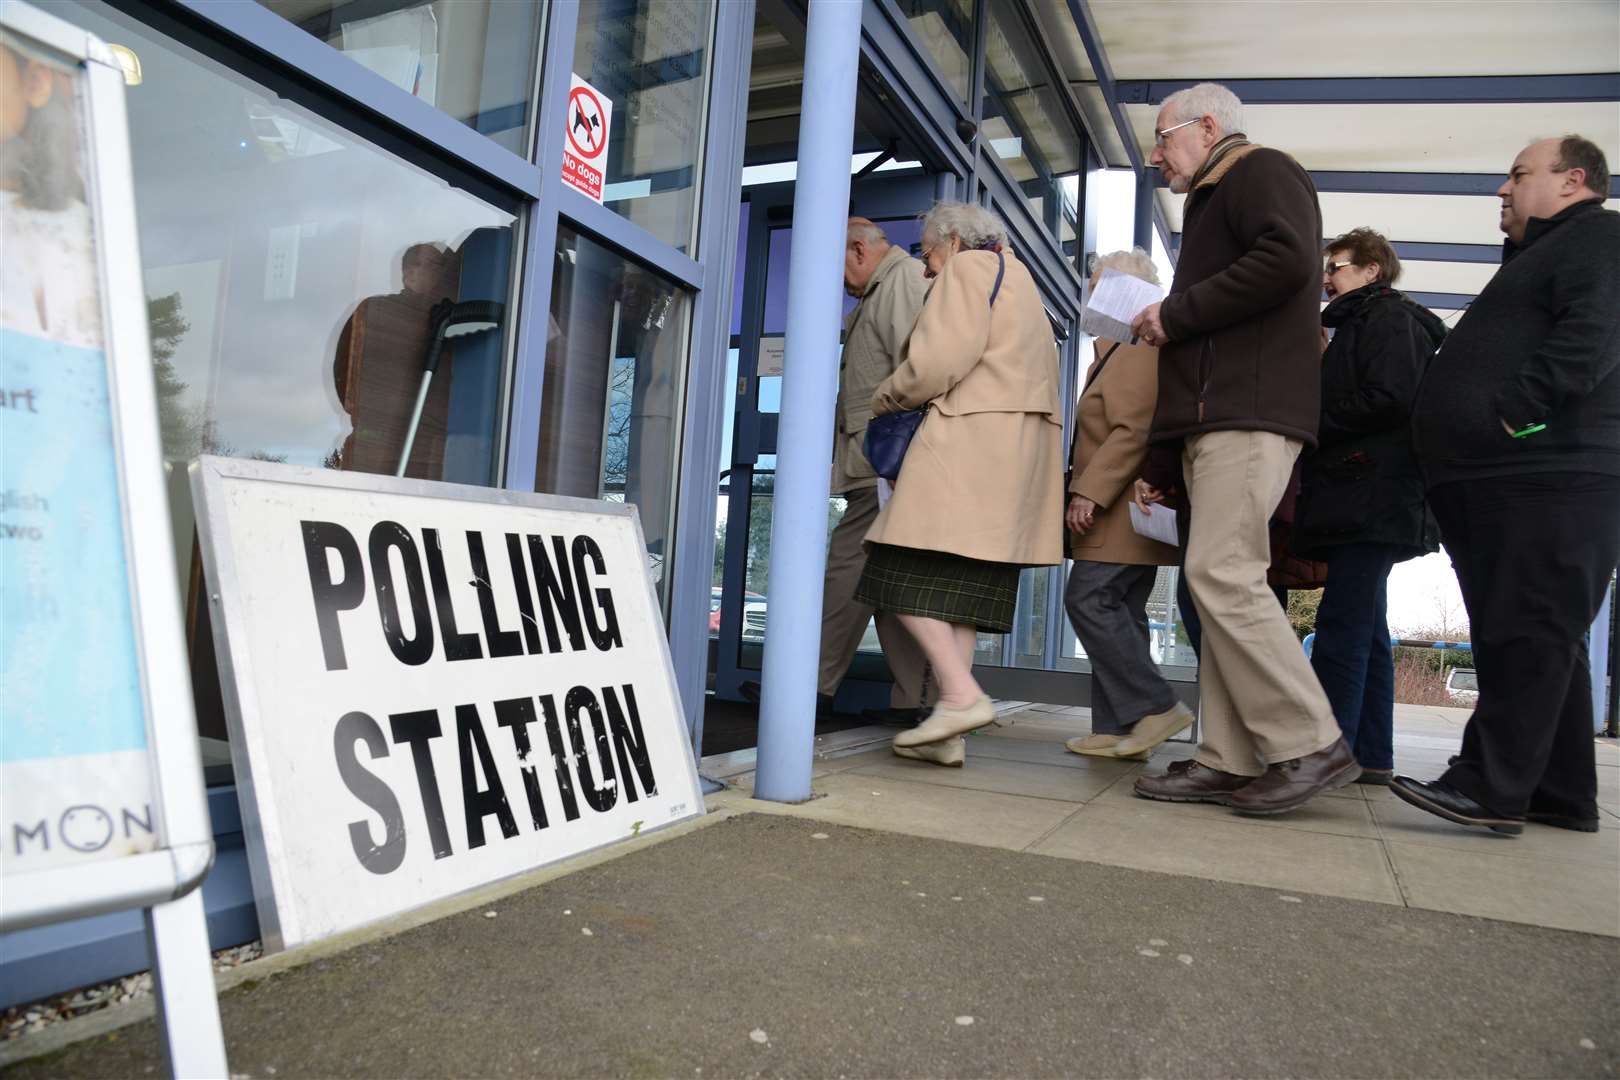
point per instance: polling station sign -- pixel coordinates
(431, 686)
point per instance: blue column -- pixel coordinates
(1144, 212)
(809, 395)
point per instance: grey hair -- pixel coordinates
(973, 225)
(1207, 99)
(865, 232)
(1134, 262)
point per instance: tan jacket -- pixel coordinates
(984, 475)
(874, 334)
(1111, 440)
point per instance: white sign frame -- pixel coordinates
(165, 882)
(268, 849)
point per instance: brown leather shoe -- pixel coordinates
(1188, 781)
(1290, 784)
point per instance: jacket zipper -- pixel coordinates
(1205, 373)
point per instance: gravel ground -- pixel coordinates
(35, 1016)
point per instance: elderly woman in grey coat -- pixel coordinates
(979, 494)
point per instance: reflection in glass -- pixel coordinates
(945, 29)
(615, 375)
(1025, 123)
(476, 60)
(651, 59)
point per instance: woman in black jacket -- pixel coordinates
(1361, 508)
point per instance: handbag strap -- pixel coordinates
(1001, 270)
(1098, 370)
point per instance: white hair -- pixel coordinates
(1207, 99)
(865, 232)
(973, 225)
(1134, 262)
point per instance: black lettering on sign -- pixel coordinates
(416, 728)
(130, 820)
(556, 591)
(384, 857)
(501, 642)
(41, 832)
(518, 714)
(605, 635)
(457, 646)
(628, 741)
(559, 758)
(600, 797)
(525, 599)
(478, 803)
(331, 596)
(413, 650)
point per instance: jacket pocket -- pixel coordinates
(1338, 499)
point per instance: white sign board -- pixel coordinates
(772, 355)
(585, 138)
(431, 686)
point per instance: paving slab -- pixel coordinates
(770, 946)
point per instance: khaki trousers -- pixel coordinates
(843, 618)
(1259, 700)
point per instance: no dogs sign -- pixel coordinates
(431, 686)
(585, 138)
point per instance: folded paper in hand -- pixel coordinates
(1115, 303)
(1159, 523)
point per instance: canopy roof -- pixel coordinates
(1407, 115)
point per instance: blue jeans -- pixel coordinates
(1352, 655)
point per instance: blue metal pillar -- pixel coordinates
(809, 395)
(1144, 211)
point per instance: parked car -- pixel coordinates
(1462, 687)
(750, 600)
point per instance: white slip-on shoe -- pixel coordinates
(945, 721)
(1154, 728)
(949, 753)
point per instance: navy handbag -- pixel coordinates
(889, 436)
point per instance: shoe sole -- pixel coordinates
(1218, 800)
(1107, 753)
(1343, 778)
(1181, 725)
(1504, 826)
(1564, 821)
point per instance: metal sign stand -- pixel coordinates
(165, 881)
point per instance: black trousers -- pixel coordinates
(1533, 555)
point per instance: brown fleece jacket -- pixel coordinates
(1243, 314)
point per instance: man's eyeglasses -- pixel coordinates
(1160, 137)
(1334, 267)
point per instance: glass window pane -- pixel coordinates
(615, 375)
(1025, 123)
(651, 58)
(476, 60)
(299, 279)
(945, 28)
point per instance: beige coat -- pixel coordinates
(984, 475)
(874, 335)
(1112, 423)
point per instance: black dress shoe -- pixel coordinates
(893, 717)
(1443, 800)
(1562, 821)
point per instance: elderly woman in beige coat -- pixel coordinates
(1132, 706)
(979, 494)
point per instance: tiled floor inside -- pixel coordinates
(1021, 790)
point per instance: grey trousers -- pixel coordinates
(844, 619)
(1107, 606)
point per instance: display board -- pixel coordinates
(431, 686)
(101, 791)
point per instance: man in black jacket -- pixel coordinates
(1517, 427)
(1239, 395)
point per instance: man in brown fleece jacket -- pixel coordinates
(1239, 341)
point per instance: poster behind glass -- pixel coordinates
(75, 783)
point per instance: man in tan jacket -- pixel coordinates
(890, 286)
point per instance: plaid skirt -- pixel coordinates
(939, 585)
